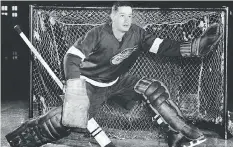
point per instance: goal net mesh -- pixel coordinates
(196, 84)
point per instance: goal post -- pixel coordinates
(197, 85)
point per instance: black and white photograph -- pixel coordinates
(116, 73)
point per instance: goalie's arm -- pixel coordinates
(78, 52)
(197, 47)
(154, 44)
(71, 65)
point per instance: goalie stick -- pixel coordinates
(92, 126)
(38, 56)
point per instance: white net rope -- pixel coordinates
(196, 84)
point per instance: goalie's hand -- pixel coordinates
(201, 46)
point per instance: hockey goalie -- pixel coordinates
(96, 68)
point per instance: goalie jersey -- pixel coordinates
(103, 58)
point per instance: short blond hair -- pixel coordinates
(118, 4)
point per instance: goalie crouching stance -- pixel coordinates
(95, 70)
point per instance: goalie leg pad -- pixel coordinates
(39, 131)
(157, 96)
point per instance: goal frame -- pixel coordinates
(226, 11)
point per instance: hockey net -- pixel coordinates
(196, 84)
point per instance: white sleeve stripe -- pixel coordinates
(99, 84)
(155, 46)
(73, 50)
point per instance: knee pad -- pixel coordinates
(39, 131)
(157, 97)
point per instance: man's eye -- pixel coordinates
(121, 15)
(130, 16)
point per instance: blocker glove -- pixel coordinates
(201, 46)
(76, 104)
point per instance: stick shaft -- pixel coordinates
(38, 56)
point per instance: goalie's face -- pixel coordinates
(122, 18)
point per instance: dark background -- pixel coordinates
(15, 73)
